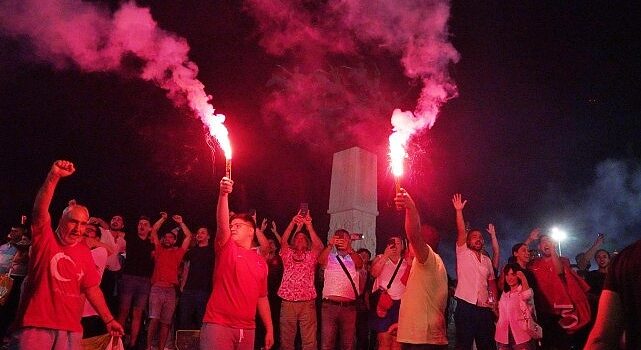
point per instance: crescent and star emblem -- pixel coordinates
(53, 267)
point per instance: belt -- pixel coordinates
(340, 303)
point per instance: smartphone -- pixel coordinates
(356, 236)
(304, 209)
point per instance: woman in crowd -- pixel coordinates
(389, 266)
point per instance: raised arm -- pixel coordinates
(379, 261)
(413, 225)
(317, 244)
(284, 243)
(459, 204)
(99, 221)
(263, 242)
(156, 226)
(496, 252)
(584, 261)
(223, 232)
(179, 220)
(275, 232)
(59, 169)
(533, 236)
(324, 254)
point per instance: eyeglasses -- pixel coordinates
(237, 225)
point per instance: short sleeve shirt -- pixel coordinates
(422, 314)
(298, 275)
(58, 275)
(167, 261)
(472, 275)
(240, 278)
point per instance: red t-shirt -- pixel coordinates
(166, 266)
(58, 275)
(240, 278)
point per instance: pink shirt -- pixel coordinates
(298, 275)
(511, 307)
(240, 278)
(58, 274)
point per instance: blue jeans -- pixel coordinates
(337, 319)
(191, 309)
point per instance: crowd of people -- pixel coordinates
(250, 287)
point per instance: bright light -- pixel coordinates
(558, 235)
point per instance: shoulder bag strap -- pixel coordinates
(348, 275)
(398, 266)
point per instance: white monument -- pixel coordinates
(353, 196)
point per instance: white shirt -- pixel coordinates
(100, 259)
(511, 315)
(336, 281)
(397, 288)
(118, 244)
(472, 275)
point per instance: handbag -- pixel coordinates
(384, 301)
(6, 283)
(360, 299)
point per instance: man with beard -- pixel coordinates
(164, 280)
(61, 271)
(297, 286)
(476, 287)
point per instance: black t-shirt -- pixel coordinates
(201, 267)
(624, 278)
(139, 260)
(596, 280)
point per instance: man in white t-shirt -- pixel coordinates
(338, 312)
(475, 290)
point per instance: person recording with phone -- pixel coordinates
(341, 278)
(387, 269)
(297, 287)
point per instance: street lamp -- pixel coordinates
(558, 235)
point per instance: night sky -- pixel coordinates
(544, 130)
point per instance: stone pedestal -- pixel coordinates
(352, 199)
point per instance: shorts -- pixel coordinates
(134, 291)
(381, 325)
(162, 303)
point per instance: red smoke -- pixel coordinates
(81, 34)
(312, 36)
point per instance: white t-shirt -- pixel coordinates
(336, 282)
(397, 288)
(100, 258)
(421, 317)
(472, 275)
(119, 245)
